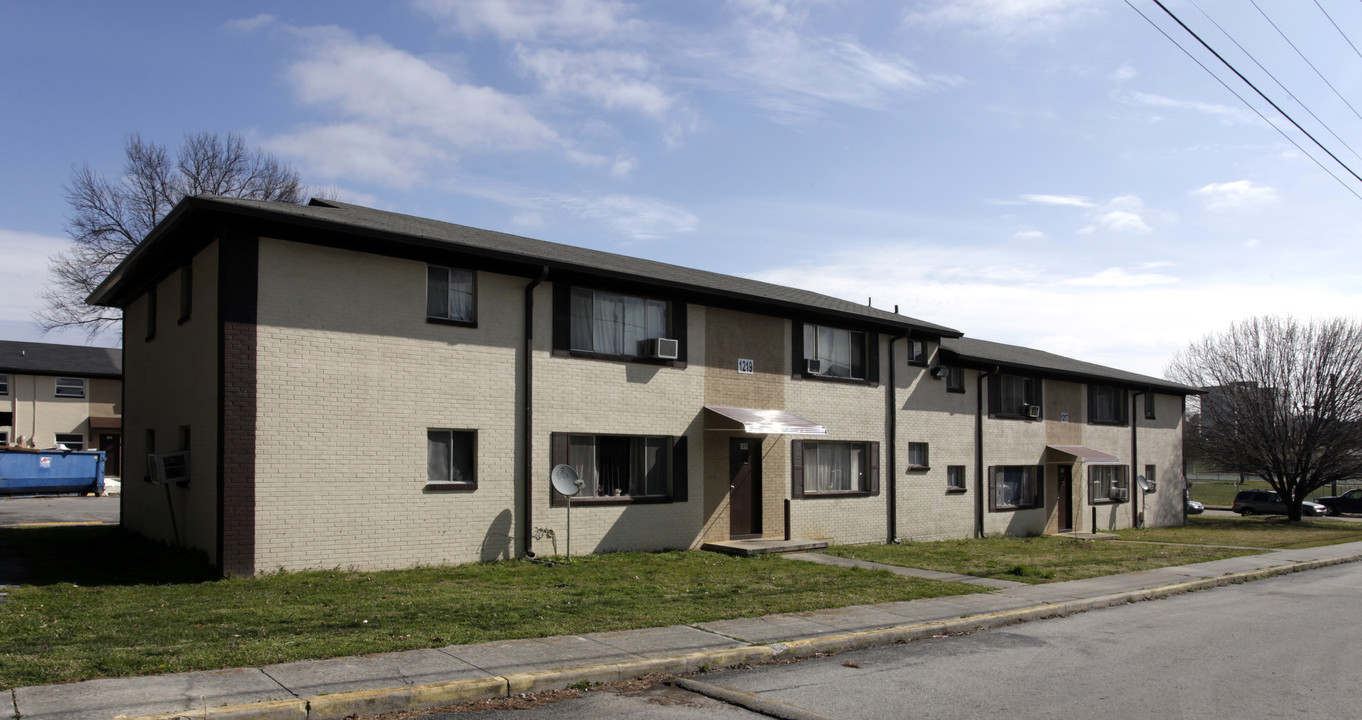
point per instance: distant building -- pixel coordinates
(62, 394)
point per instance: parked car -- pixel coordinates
(1267, 502)
(1348, 502)
(1195, 508)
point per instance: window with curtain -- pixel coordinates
(620, 465)
(450, 294)
(614, 324)
(1102, 479)
(835, 467)
(955, 477)
(1014, 487)
(449, 458)
(1013, 396)
(1106, 405)
(917, 455)
(840, 352)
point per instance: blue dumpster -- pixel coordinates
(37, 472)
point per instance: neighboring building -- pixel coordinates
(67, 394)
(330, 385)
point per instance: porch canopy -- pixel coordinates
(1087, 454)
(766, 422)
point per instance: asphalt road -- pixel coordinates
(1273, 648)
(27, 511)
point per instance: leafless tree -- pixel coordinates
(109, 217)
(1284, 402)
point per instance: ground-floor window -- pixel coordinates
(1015, 487)
(72, 441)
(450, 459)
(834, 467)
(955, 478)
(623, 467)
(1107, 483)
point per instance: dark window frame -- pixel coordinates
(186, 292)
(1121, 482)
(4, 383)
(678, 480)
(919, 351)
(1033, 393)
(1122, 416)
(151, 314)
(562, 325)
(68, 442)
(872, 471)
(447, 485)
(962, 485)
(1149, 474)
(926, 449)
(1149, 404)
(955, 379)
(1039, 483)
(799, 365)
(447, 320)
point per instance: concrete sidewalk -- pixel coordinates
(427, 678)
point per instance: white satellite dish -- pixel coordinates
(566, 481)
(1143, 482)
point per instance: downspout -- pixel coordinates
(891, 434)
(1135, 461)
(527, 424)
(979, 450)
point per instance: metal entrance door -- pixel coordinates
(744, 487)
(111, 444)
(1066, 497)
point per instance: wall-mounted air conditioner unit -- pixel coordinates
(815, 367)
(172, 467)
(661, 348)
(1120, 494)
(1033, 411)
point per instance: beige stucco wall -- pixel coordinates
(39, 414)
(171, 381)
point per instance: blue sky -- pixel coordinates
(1050, 173)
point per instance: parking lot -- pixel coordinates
(66, 510)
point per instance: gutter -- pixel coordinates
(891, 434)
(527, 420)
(1134, 461)
(979, 450)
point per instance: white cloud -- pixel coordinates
(1123, 221)
(1029, 235)
(1237, 195)
(634, 217)
(356, 151)
(1011, 18)
(1073, 200)
(1226, 113)
(23, 274)
(251, 23)
(1123, 73)
(521, 20)
(1119, 278)
(612, 78)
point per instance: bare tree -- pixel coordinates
(110, 217)
(1284, 402)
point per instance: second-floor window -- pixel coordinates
(450, 294)
(1014, 396)
(955, 379)
(834, 352)
(4, 384)
(1106, 405)
(69, 387)
(614, 324)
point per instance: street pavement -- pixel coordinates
(340, 687)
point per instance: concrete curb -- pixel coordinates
(415, 697)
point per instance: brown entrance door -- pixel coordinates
(1065, 491)
(744, 487)
(109, 443)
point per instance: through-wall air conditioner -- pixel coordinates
(1033, 411)
(815, 367)
(1120, 494)
(171, 467)
(661, 348)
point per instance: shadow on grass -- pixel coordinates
(95, 555)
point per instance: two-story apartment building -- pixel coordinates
(339, 386)
(67, 395)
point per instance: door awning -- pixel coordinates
(1086, 454)
(767, 422)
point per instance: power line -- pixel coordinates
(1307, 60)
(1250, 106)
(1255, 89)
(1279, 82)
(1339, 29)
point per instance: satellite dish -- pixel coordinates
(565, 480)
(1143, 482)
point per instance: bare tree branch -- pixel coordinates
(108, 218)
(1284, 402)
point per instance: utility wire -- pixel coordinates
(1250, 106)
(1339, 29)
(1248, 82)
(1307, 60)
(1279, 82)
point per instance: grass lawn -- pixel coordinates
(1222, 493)
(1270, 531)
(105, 604)
(1033, 560)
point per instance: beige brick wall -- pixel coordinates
(171, 381)
(39, 414)
(945, 421)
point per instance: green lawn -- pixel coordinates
(1222, 493)
(1033, 560)
(106, 604)
(1270, 531)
